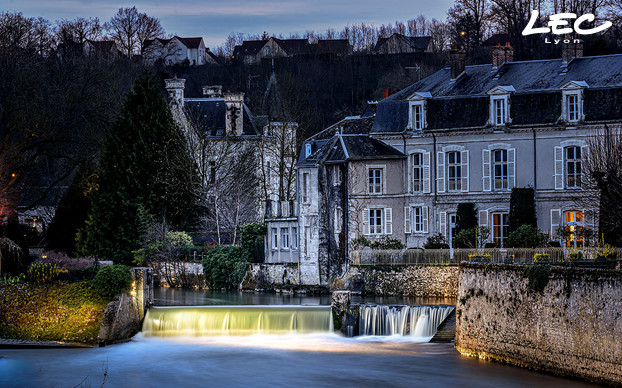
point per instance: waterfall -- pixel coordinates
(236, 320)
(416, 321)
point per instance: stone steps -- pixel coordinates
(446, 330)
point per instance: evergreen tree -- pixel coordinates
(466, 217)
(522, 208)
(145, 174)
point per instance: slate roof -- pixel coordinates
(211, 112)
(419, 43)
(341, 148)
(347, 126)
(464, 102)
(249, 47)
(194, 42)
(331, 46)
(293, 46)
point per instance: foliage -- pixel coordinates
(68, 312)
(541, 256)
(537, 276)
(436, 241)
(11, 257)
(480, 256)
(162, 244)
(112, 280)
(42, 273)
(574, 254)
(63, 261)
(11, 280)
(466, 217)
(526, 236)
(472, 237)
(224, 267)
(252, 242)
(145, 173)
(605, 250)
(384, 243)
(522, 208)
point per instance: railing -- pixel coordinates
(488, 255)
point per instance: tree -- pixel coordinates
(472, 17)
(145, 174)
(466, 217)
(130, 28)
(522, 208)
(78, 30)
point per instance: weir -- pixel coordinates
(414, 321)
(236, 320)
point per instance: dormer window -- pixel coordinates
(572, 107)
(417, 113)
(499, 111)
(572, 101)
(500, 105)
(307, 150)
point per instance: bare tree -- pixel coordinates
(130, 28)
(78, 30)
(477, 10)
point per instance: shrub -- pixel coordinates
(537, 276)
(360, 243)
(466, 217)
(575, 254)
(522, 208)
(12, 280)
(112, 280)
(42, 273)
(541, 258)
(526, 236)
(605, 251)
(472, 237)
(224, 267)
(384, 243)
(252, 242)
(436, 241)
(63, 261)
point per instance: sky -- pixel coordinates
(214, 20)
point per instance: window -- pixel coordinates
(573, 167)
(417, 117)
(294, 238)
(337, 175)
(499, 111)
(338, 220)
(574, 228)
(454, 171)
(307, 150)
(418, 219)
(375, 221)
(500, 228)
(375, 181)
(417, 160)
(275, 238)
(305, 187)
(285, 238)
(572, 107)
(500, 169)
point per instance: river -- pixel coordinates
(301, 360)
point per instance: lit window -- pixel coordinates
(285, 238)
(500, 228)
(275, 238)
(573, 167)
(454, 171)
(375, 221)
(500, 169)
(499, 111)
(417, 160)
(574, 228)
(573, 107)
(375, 181)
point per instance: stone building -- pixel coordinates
(465, 134)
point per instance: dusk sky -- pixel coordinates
(214, 20)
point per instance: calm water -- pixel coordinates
(303, 360)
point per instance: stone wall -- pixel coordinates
(270, 277)
(424, 281)
(179, 274)
(573, 327)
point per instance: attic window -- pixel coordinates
(307, 150)
(572, 106)
(417, 119)
(499, 111)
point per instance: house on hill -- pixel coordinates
(253, 51)
(331, 47)
(402, 44)
(177, 50)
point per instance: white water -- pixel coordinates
(415, 321)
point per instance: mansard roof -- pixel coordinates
(351, 125)
(209, 114)
(464, 102)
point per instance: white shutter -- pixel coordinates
(559, 168)
(407, 219)
(383, 178)
(464, 157)
(388, 220)
(440, 171)
(426, 172)
(442, 223)
(410, 173)
(556, 215)
(511, 168)
(425, 219)
(366, 222)
(483, 218)
(486, 183)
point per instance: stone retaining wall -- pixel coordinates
(187, 274)
(423, 281)
(573, 327)
(270, 277)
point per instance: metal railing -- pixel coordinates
(488, 255)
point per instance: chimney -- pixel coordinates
(175, 90)
(457, 59)
(214, 91)
(234, 104)
(574, 49)
(502, 54)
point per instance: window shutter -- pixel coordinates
(366, 222)
(440, 172)
(410, 174)
(426, 172)
(442, 223)
(464, 156)
(388, 220)
(407, 219)
(486, 183)
(556, 215)
(511, 168)
(559, 168)
(425, 219)
(483, 218)
(383, 178)
(585, 154)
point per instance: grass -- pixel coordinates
(65, 312)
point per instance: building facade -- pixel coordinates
(177, 50)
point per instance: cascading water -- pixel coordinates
(236, 320)
(415, 321)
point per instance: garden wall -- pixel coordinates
(179, 274)
(573, 327)
(408, 280)
(270, 277)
